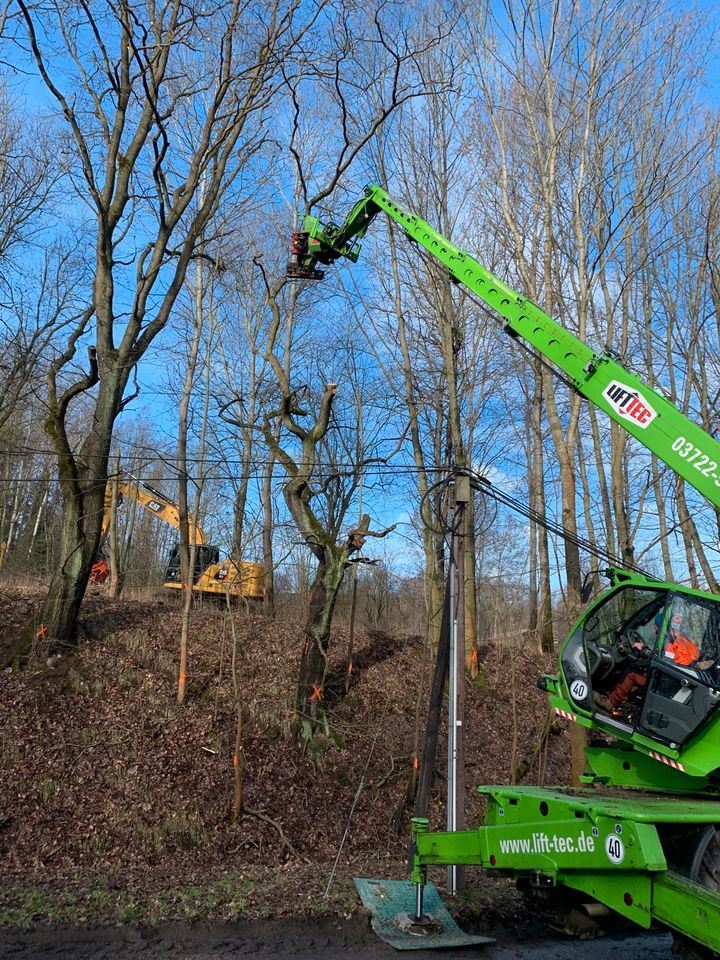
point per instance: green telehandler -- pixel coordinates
(641, 837)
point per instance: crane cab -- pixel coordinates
(643, 664)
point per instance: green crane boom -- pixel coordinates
(641, 410)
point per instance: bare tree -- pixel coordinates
(136, 79)
(245, 380)
(36, 289)
(28, 173)
(201, 325)
(323, 537)
(367, 73)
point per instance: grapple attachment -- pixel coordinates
(301, 265)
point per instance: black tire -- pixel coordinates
(708, 874)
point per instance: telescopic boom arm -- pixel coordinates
(643, 412)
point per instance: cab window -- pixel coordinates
(589, 659)
(628, 609)
(692, 633)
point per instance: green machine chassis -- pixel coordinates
(626, 853)
(653, 857)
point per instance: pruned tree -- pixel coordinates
(369, 70)
(322, 535)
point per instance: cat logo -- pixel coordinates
(629, 404)
(154, 505)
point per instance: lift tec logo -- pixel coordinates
(629, 404)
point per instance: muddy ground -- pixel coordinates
(323, 941)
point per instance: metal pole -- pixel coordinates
(456, 698)
(460, 675)
(452, 701)
(419, 894)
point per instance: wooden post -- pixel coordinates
(429, 750)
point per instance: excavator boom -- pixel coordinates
(153, 500)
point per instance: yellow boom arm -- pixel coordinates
(152, 500)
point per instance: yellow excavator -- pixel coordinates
(210, 574)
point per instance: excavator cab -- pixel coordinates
(204, 556)
(644, 661)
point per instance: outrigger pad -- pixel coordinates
(392, 907)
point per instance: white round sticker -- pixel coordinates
(615, 849)
(578, 690)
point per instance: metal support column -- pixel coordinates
(456, 677)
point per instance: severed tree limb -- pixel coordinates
(251, 812)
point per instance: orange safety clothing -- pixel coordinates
(683, 651)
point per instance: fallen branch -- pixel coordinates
(274, 823)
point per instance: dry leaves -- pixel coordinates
(102, 775)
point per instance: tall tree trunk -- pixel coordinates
(586, 492)
(656, 481)
(38, 517)
(313, 668)
(83, 478)
(602, 485)
(434, 593)
(537, 500)
(188, 546)
(693, 543)
(268, 525)
(619, 489)
(116, 572)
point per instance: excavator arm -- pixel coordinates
(596, 375)
(151, 499)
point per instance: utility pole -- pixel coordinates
(450, 664)
(456, 676)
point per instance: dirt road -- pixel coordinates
(291, 941)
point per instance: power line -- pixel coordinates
(322, 472)
(317, 478)
(481, 484)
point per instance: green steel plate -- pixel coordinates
(627, 804)
(391, 902)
